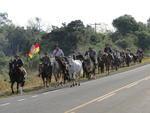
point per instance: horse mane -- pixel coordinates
(60, 62)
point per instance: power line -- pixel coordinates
(95, 26)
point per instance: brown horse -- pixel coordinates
(60, 70)
(17, 75)
(88, 67)
(100, 61)
(108, 58)
(45, 70)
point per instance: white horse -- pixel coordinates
(56, 70)
(75, 70)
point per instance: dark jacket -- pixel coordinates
(107, 50)
(46, 60)
(18, 63)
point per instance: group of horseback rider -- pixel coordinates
(17, 72)
(58, 52)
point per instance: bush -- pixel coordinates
(122, 44)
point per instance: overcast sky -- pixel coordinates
(89, 11)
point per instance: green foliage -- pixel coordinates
(122, 43)
(125, 24)
(144, 40)
(4, 19)
(70, 37)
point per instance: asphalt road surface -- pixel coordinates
(127, 92)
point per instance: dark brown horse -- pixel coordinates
(140, 57)
(17, 75)
(88, 67)
(108, 58)
(128, 59)
(45, 70)
(100, 61)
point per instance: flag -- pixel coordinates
(34, 50)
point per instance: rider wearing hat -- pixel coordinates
(139, 51)
(107, 49)
(18, 63)
(58, 52)
(92, 54)
(46, 60)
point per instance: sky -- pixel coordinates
(55, 12)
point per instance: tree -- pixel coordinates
(76, 25)
(144, 40)
(36, 24)
(125, 24)
(4, 19)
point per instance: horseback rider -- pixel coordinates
(139, 51)
(18, 63)
(58, 52)
(100, 53)
(129, 53)
(46, 60)
(19, 69)
(92, 54)
(108, 49)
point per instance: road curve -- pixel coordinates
(126, 92)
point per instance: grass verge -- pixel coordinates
(34, 83)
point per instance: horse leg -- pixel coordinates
(98, 69)
(71, 83)
(55, 76)
(43, 81)
(12, 89)
(50, 78)
(102, 69)
(84, 74)
(108, 69)
(94, 74)
(21, 89)
(88, 76)
(78, 80)
(17, 87)
(46, 81)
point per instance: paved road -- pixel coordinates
(127, 92)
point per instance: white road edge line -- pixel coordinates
(21, 100)
(45, 93)
(5, 104)
(34, 96)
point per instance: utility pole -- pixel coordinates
(95, 26)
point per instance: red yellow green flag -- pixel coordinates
(34, 50)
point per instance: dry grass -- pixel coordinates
(33, 82)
